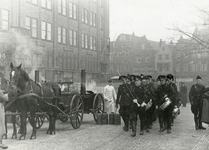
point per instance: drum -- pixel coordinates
(149, 104)
(165, 104)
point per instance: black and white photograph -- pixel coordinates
(104, 74)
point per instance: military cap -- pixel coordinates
(137, 77)
(169, 76)
(122, 77)
(149, 76)
(198, 77)
(143, 77)
(161, 77)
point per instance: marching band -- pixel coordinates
(146, 98)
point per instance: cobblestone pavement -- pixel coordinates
(111, 137)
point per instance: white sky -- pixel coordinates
(153, 17)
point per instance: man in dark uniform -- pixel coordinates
(170, 81)
(150, 101)
(138, 107)
(165, 93)
(124, 98)
(195, 97)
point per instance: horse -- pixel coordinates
(33, 97)
(12, 108)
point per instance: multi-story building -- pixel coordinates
(192, 56)
(131, 54)
(56, 37)
(164, 59)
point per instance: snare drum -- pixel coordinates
(165, 104)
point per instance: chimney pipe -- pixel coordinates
(83, 82)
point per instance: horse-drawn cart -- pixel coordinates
(69, 104)
(75, 105)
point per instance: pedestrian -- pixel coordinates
(124, 99)
(183, 92)
(195, 97)
(3, 99)
(110, 97)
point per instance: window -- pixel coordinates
(46, 4)
(73, 37)
(31, 25)
(159, 67)
(62, 35)
(147, 57)
(92, 19)
(84, 41)
(62, 7)
(167, 56)
(167, 66)
(33, 1)
(92, 43)
(72, 10)
(160, 57)
(101, 3)
(46, 31)
(101, 22)
(84, 15)
(5, 19)
(34, 28)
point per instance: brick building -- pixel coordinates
(56, 37)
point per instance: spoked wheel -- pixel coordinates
(98, 105)
(76, 111)
(39, 119)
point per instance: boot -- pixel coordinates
(126, 125)
(164, 127)
(196, 123)
(200, 125)
(133, 129)
(141, 132)
(168, 131)
(161, 124)
(2, 145)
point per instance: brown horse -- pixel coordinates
(33, 97)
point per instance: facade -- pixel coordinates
(164, 59)
(56, 37)
(131, 54)
(192, 57)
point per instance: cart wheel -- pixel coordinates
(39, 119)
(76, 111)
(98, 105)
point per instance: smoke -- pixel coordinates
(24, 53)
(91, 86)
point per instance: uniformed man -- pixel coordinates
(170, 81)
(138, 107)
(195, 97)
(150, 101)
(165, 93)
(124, 98)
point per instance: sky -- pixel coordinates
(156, 19)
